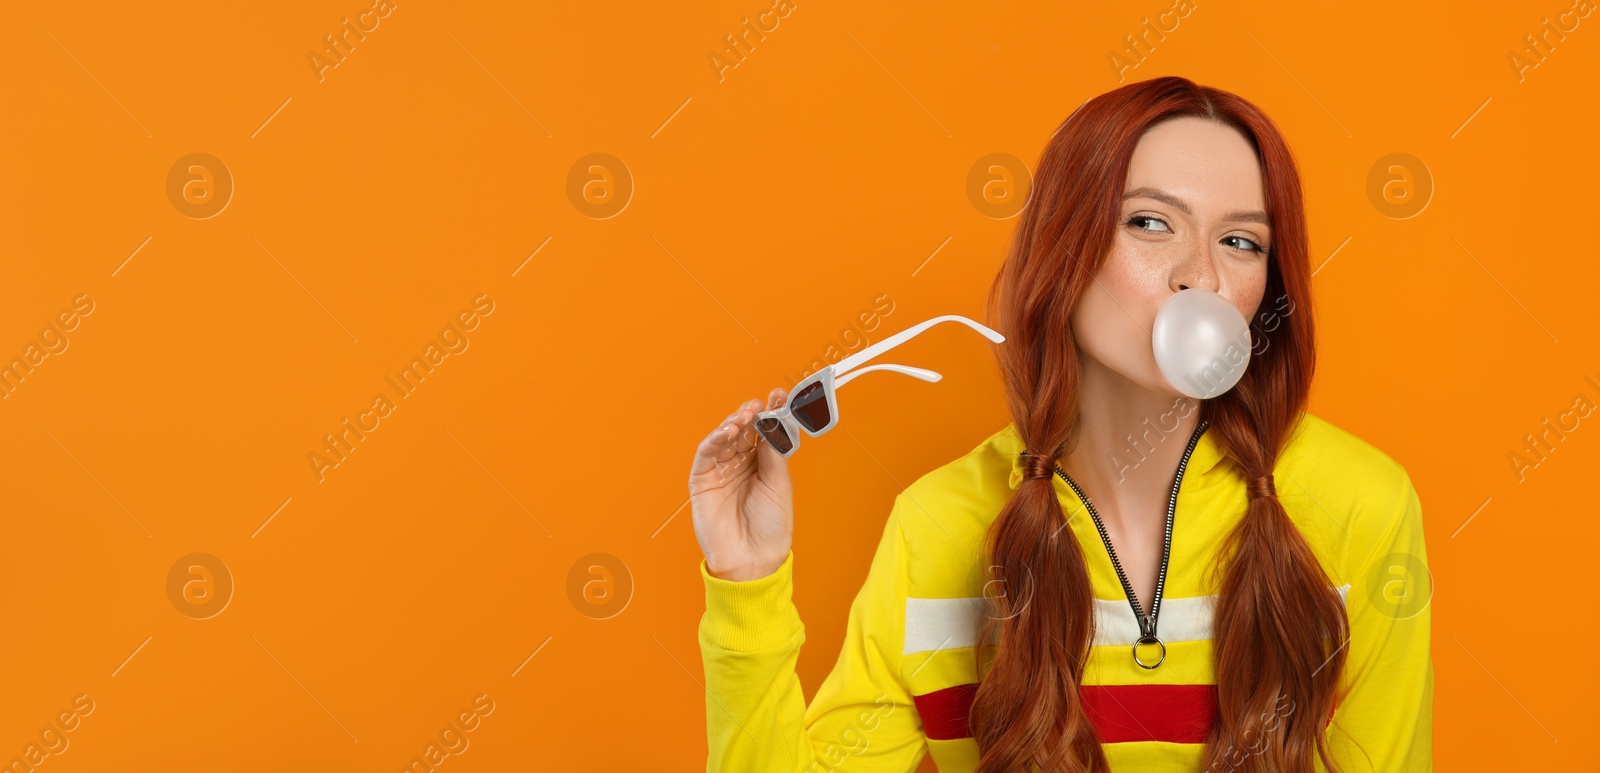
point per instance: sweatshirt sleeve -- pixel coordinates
(1384, 719)
(862, 717)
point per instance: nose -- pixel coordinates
(1196, 270)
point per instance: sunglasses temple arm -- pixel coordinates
(845, 365)
(918, 373)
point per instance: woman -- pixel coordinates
(1123, 578)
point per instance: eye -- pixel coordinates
(1254, 247)
(1136, 219)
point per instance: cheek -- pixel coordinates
(1130, 287)
(1248, 293)
(1137, 273)
(1112, 321)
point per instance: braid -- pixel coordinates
(1279, 631)
(1031, 689)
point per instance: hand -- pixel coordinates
(741, 497)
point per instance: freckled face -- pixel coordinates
(1193, 215)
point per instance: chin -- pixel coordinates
(1149, 379)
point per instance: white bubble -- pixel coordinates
(1201, 342)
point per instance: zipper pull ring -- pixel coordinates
(1149, 639)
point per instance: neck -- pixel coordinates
(1127, 443)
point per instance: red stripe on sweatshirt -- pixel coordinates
(1173, 713)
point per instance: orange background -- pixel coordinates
(768, 209)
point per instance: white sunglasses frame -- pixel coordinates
(842, 372)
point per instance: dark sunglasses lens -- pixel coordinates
(810, 407)
(773, 431)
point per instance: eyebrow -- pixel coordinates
(1167, 198)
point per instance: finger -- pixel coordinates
(713, 445)
(719, 436)
(734, 436)
(719, 448)
(730, 426)
(729, 440)
(770, 460)
(705, 455)
(716, 443)
(746, 412)
(745, 440)
(747, 405)
(775, 398)
(745, 422)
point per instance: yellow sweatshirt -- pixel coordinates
(905, 675)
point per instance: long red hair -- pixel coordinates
(1279, 627)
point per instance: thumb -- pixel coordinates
(776, 397)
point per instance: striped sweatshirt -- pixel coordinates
(905, 676)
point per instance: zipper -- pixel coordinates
(1147, 622)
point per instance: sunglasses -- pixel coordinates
(813, 404)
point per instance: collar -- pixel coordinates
(1207, 453)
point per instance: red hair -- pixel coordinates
(1279, 627)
